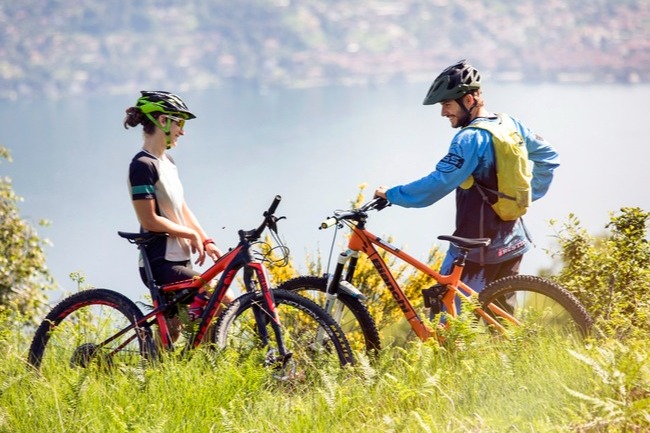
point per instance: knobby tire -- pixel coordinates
(72, 330)
(309, 333)
(356, 318)
(537, 301)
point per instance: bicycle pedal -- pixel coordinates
(279, 361)
(432, 296)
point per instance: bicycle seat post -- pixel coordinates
(462, 257)
(147, 269)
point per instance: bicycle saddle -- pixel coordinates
(466, 242)
(141, 238)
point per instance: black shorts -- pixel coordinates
(166, 272)
(478, 276)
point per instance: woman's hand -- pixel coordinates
(212, 251)
(196, 247)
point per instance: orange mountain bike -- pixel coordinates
(515, 300)
(287, 331)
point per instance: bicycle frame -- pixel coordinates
(363, 241)
(228, 265)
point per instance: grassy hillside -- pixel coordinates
(472, 384)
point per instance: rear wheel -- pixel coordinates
(538, 304)
(312, 338)
(349, 312)
(82, 330)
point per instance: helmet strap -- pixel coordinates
(166, 129)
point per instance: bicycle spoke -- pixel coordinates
(307, 337)
(538, 305)
(90, 328)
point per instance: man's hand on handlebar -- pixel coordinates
(381, 192)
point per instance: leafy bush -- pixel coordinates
(24, 277)
(610, 274)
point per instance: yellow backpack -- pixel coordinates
(513, 169)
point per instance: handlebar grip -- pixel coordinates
(381, 203)
(274, 205)
(329, 222)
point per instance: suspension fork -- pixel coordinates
(267, 309)
(333, 308)
(354, 259)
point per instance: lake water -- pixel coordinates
(314, 147)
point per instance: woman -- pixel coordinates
(157, 196)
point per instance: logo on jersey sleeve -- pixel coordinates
(450, 162)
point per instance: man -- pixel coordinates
(470, 163)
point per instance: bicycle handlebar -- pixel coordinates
(329, 222)
(376, 203)
(269, 221)
(274, 205)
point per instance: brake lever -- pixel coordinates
(272, 224)
(382, 203)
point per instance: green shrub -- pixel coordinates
(610, 274)
(24, 277)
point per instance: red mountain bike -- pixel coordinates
(518, 300)
(104, 327)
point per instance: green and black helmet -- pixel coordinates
(158, 101)
(453, 83)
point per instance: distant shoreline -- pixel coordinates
(510, 77)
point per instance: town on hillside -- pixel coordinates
(59, 49)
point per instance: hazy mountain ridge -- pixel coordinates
(56, 48)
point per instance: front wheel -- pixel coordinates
(87, 328)
(311, 337)
(539, 304)
(349, 312)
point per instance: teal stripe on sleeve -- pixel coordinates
(142, 189)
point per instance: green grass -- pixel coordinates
(473, 383)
